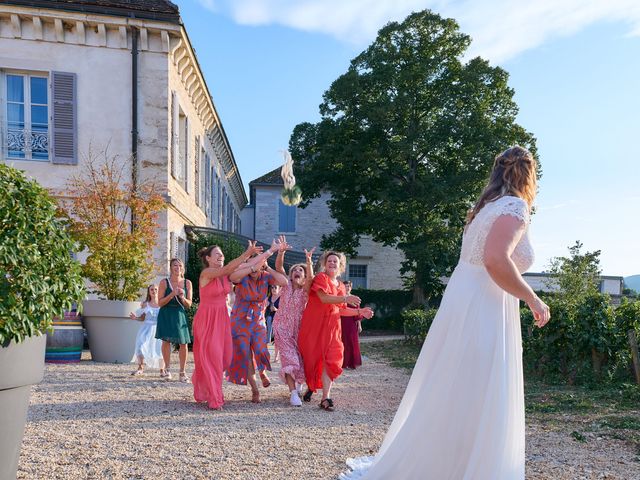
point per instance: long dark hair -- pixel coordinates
(205, 252)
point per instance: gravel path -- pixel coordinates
(95, 421)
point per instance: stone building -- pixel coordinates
(121, 77)
(375, 266)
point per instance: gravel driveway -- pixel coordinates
(95, 421)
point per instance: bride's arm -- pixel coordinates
(501, 241)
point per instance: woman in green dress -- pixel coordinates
(174, 298)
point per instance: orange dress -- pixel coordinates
(319, 339)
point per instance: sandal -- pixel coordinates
(166, 374)
(265, 380)
(137, 372)
(307, 395)
(327, 404)
(183, 377)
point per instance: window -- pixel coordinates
(358, 275)
(182, 168)
(286, 218)
(27, 115)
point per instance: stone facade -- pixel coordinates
(382, 264)
(181, 143)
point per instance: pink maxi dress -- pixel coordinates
(286, 325)
(212, 345)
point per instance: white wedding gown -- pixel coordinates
(462, 414)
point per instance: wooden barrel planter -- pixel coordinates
(64, 344)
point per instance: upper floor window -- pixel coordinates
(286, 218)
(27, 117)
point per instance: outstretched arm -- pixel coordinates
(209, 274)
(309, 257)
(279, 278)
(283, 247)
(252, 265)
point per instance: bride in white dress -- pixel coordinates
(462, 414)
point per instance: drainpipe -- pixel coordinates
(134, 114)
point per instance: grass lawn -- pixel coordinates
(586, 412)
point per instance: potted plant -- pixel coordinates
(38, 281)
(116, 222)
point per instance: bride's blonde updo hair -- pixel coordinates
(514, 173)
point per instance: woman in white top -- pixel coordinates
(462, 414)
(148, 347)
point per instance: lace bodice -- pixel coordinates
(475, 236)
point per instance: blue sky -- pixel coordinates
(575, 68)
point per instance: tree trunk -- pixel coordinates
(633, 345)
(596, 361)
(418, 295)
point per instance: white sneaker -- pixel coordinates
(299, 389)
(295, 399)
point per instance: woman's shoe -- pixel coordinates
(295, 399)
(182, 376)
(307, 395)
(137, 372)
(327, 404)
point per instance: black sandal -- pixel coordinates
(327, 404)
(307, 396)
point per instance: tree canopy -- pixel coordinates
(405, 143)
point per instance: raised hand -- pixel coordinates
(309, 254)
(282, 244)
(253, 249)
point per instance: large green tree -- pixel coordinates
(405, 143)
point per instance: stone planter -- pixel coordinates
(23, 366)
(110, 331)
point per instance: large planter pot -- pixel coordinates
(22, 366)
(110, 331)
(64, 344)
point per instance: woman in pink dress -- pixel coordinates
(212, 347)
(286, 323)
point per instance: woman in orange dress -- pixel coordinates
(319, 339)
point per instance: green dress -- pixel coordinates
(172, 320)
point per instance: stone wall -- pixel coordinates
(314, 221)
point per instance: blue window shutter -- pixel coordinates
(196, 166)
(64, 133)
(286, 218)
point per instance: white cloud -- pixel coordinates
(501, 29)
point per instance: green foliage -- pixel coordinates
(117, 224)
(387, 305)
(576, 276)
(417, 324)
(229, 246)
(38, 277)
(406, 142)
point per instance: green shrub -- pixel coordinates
(417, 324)
(38, 277)
(387, 305)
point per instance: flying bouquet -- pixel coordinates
(291, 194)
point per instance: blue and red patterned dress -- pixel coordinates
(248, 327)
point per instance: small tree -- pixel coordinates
(38, 277)
(576, 276)
(117, 224)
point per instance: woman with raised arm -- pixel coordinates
(320, 331)
(286, 323)
(212, 345)
(248, 331)
(174, 299)
(462, 415)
